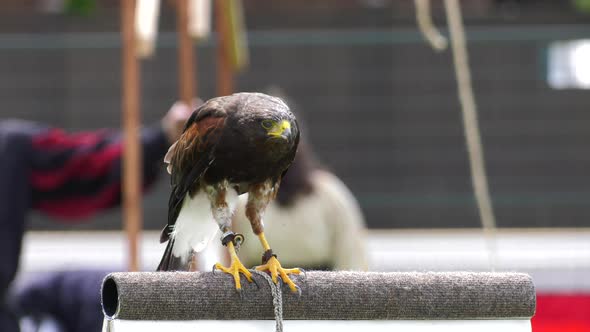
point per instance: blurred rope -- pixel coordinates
(471, 126)
(427, 28)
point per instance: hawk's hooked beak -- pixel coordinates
(280, 130)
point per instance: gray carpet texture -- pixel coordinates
(325, 296)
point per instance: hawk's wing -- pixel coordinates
(190, 156)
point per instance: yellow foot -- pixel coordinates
(275, 269)
(235, 269)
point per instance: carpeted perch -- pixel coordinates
(325, 296)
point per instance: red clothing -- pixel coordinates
(76, 175)
(69, 176)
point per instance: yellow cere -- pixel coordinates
(277, 129)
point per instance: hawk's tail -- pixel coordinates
(170, 262)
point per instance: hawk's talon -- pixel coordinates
(240, 293)
(275, 269)
(235, 269)
(304, 273)
(256, 283)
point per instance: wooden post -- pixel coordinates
(132, 171)
(186, 69)
(225, 84)
(186, 54)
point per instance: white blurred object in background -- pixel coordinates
(568, 64)
(557, 259)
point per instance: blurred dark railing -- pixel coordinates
(308, 37)
(379, 105)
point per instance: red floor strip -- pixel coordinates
(562, 313)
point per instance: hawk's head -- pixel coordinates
(263, 121)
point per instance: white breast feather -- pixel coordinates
(195, 225)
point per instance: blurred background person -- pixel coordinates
(68, 176)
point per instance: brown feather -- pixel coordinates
(189, 158)
(196, 139)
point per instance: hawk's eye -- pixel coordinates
(267, 124)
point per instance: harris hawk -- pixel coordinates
(231, 145)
